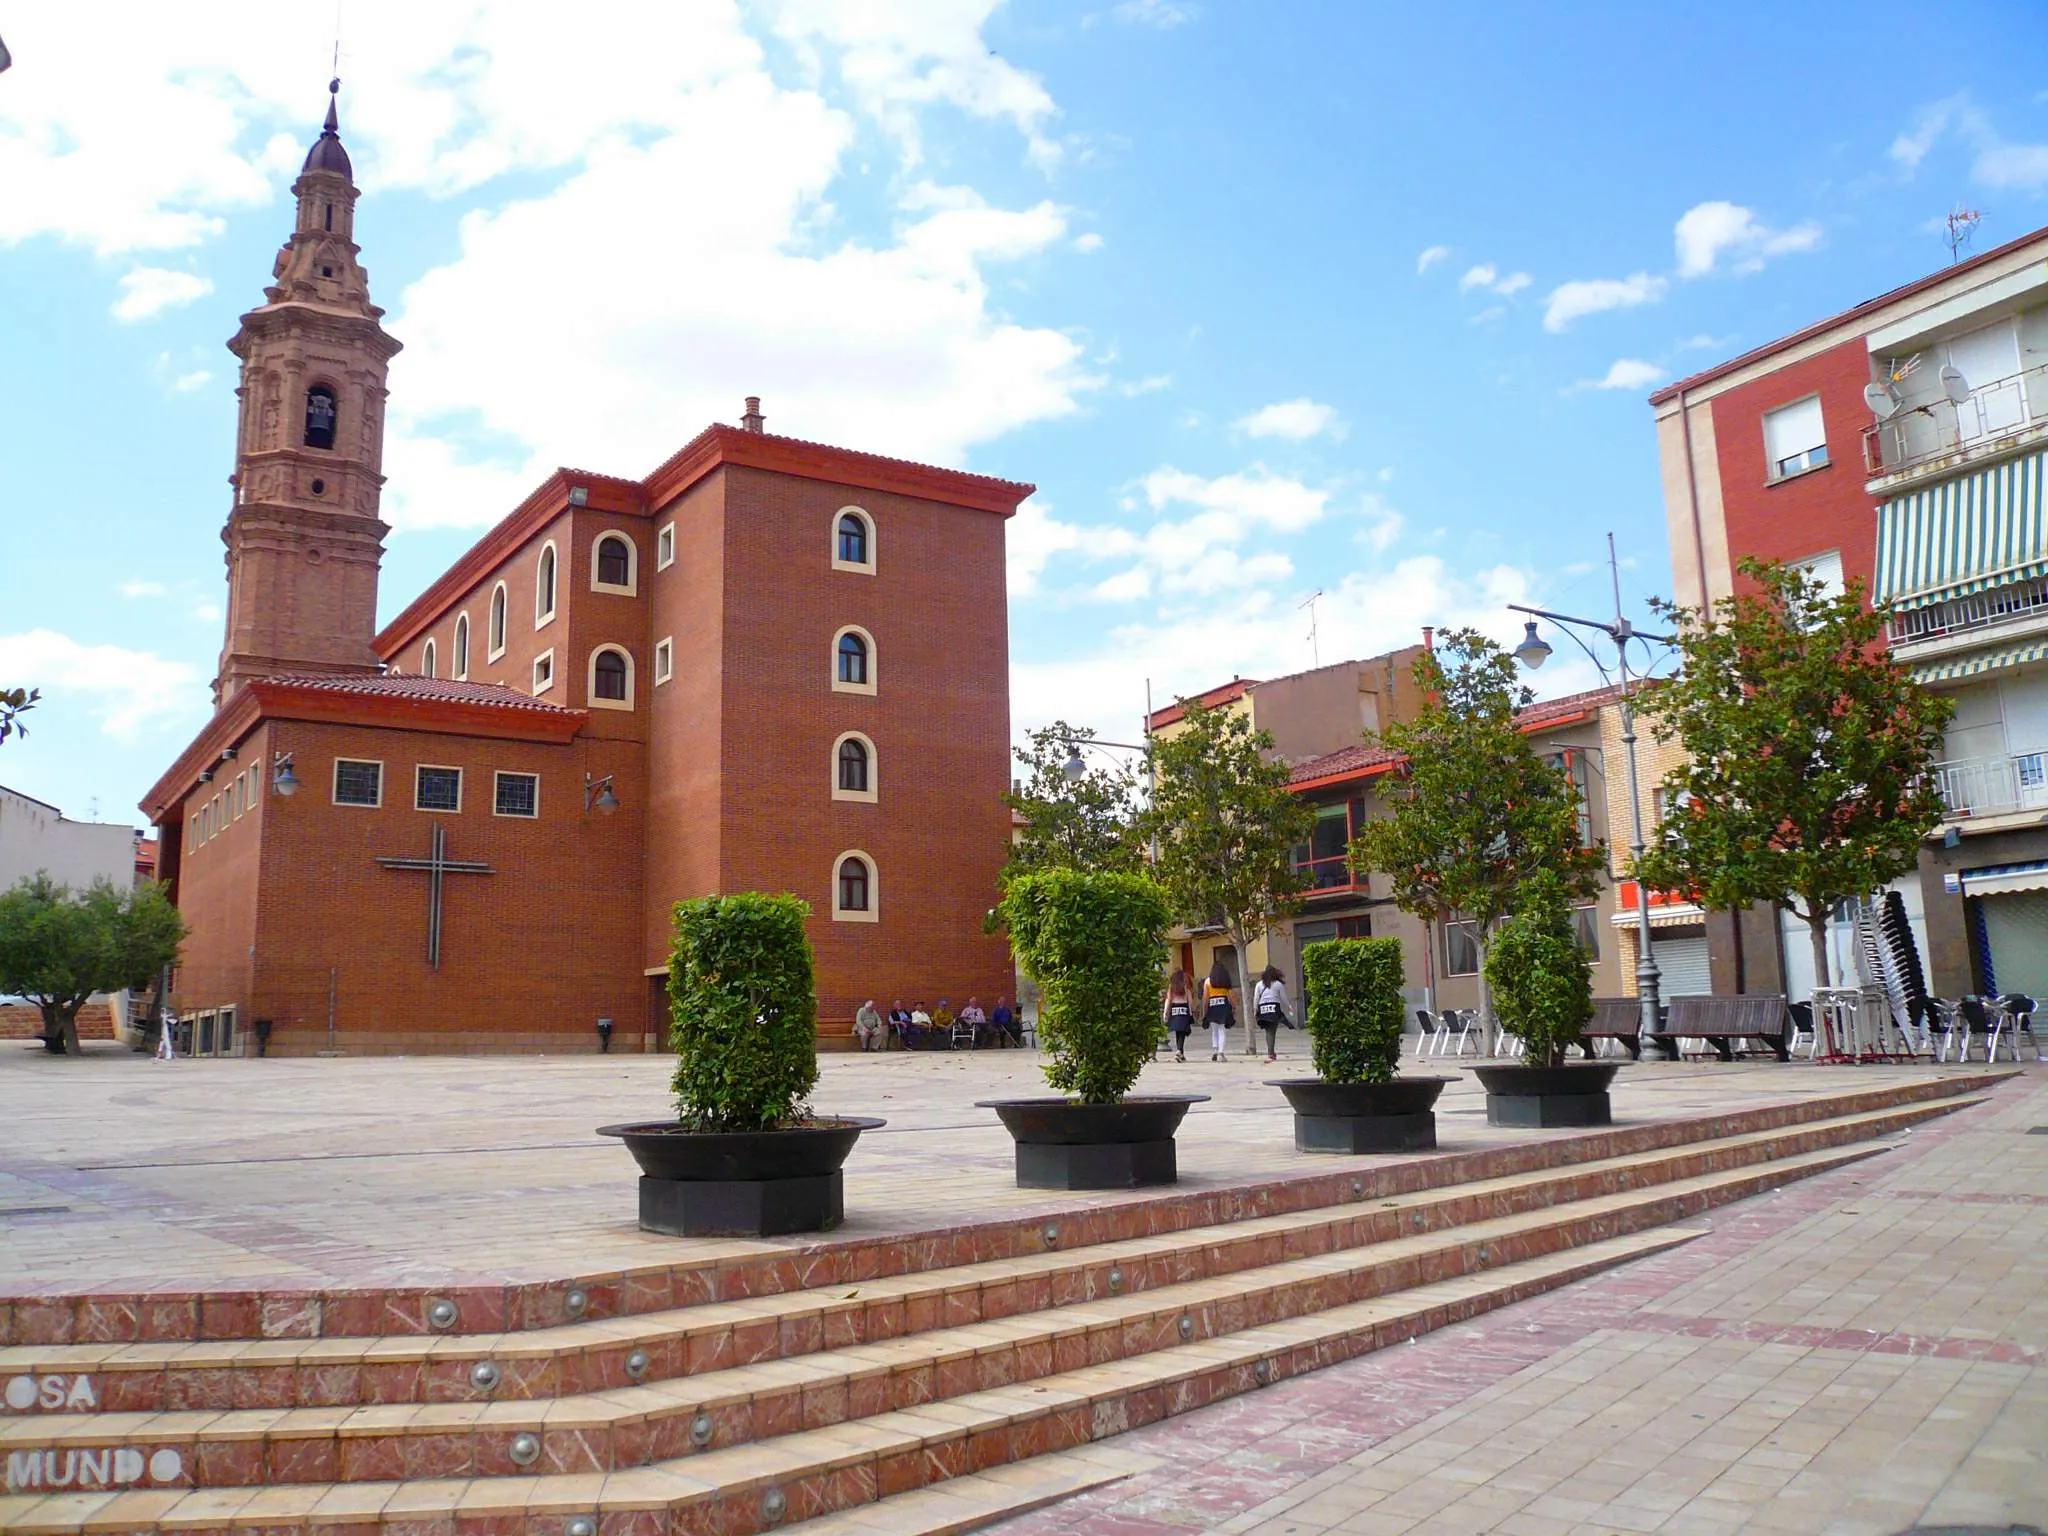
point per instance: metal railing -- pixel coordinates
(1976, 611)
(1993, 786)
(1330, 874)
(1997, 410)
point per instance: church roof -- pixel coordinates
(403, 685)
(327, 153)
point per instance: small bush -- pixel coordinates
(743, 1016)
(1095, 944)
(1542, 984)
(1355, 1008)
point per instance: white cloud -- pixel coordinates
(128, 692)
(1150, 384)
(1626, 373)
(140, 588)
(1911, 147)
(1997, 162)
(1088, 244)
(1430, 258)
(1488, 315)
(1575, 300)
(1383, 525)
(1033, 537)
(1296, 420)
(1481, 276)
(1124, 587)
(1512, 284)
(1163, 14)
(2018, 167)
(186, 383)
(149, 291)
(1707, 231)
(206, 612)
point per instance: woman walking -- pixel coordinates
(1179, 1013)
(1217, 1012)
(1269, 1006)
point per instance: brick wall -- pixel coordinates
(24, 1021)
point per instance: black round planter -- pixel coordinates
(741, 1183)
(1545, 1097)
(1363, 1117)
(1065, 1145)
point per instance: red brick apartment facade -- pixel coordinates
(769, 665)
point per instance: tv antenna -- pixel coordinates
(1962, 228)
(1314, 650)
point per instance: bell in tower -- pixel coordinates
(304, 539)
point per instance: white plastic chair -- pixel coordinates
(1459, 1021)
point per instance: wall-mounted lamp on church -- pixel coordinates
(282, 780)
(598, 796)
(579, 496)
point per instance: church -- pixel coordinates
(766, 665)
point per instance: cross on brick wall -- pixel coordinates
(438, 867)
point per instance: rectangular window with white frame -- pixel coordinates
(1461, 949)
(436, 788)
(1825, 569)
(358, 781)
(664, 660)
(1795, 439)
(516, 794)
(665, 548)
(543, 671)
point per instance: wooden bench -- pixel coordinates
(1615, 1018)
(1721, 1021)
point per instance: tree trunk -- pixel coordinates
(60, 1027)
(1242, 945)
(1817, 931)
(1489, 1028)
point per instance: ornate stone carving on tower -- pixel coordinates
(304, 540)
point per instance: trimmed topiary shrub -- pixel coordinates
(743, 1016)
(1542, 983)
(1095, 944)
(1355, 1008)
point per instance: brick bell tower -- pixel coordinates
(304, 540)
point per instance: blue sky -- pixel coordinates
(1266, 300)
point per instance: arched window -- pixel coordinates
(852, 660)
(320, 417)
(495, 638)
(611, 678)
(544, 587)
(853, 766)
(461, 647)
(427, 657)
(853, 541)
(853, 893)
(612, 565)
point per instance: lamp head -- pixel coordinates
(1075, 770)
(606, 801)
(1533, 651)
(282, 780)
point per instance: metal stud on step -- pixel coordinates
(1052, 1234)
(581, 1525)
(773, 1504)
(441, 1313)
(577, 1302)
(1116, 1281)
(1262, 1372)
(701, 1429)
(485, 1375)
(525, 1450)
(1187, 1326)
(1357, 1188)
(636, 1364)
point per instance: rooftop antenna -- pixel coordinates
(1962, 227)
(1314, 650)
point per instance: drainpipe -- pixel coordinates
(1692, 499)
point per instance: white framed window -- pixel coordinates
(544, 671)
(610, 683)
(241, 795)
(853, 541)
(853, 768)
(853, 661)
(461, 669)
(664, 660)
(1461, 948)
(1825, 569)
(856, 892)
(546, 572)
(436, 787)
(614, 563)
(665, 547)
(516, 794)
(494, 638)
(359, 781)
(429, 655)
(1795, 439)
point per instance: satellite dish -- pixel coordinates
(1954, 385)
(1883, 403)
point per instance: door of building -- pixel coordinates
(1682, 958)
(2016, 942)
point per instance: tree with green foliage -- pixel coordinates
(743, 1012)
(1225, 825)
(1094, 942)
(1475, 812)
(1541, 980)
(59, 946)
(1809, 752)
(1073, 823)
(14, 703)
(1355, 1009)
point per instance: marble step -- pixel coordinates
(733, 1269)
(700, 1414)
(980, 1499)
(740, 1490)
(605, 1355)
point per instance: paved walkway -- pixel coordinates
(1862, 1352)
(120, 1172)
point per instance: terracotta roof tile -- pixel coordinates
(1344, 760)
(1357, 759)
(400, 685)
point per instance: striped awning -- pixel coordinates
(1964, 534)
(2016, 654)
(2002, 878)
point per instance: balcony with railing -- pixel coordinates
(1938, 436)
(2003, 609)
(1993, 786)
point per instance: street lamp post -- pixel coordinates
(1532, 653)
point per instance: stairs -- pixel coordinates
(766, 1391)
